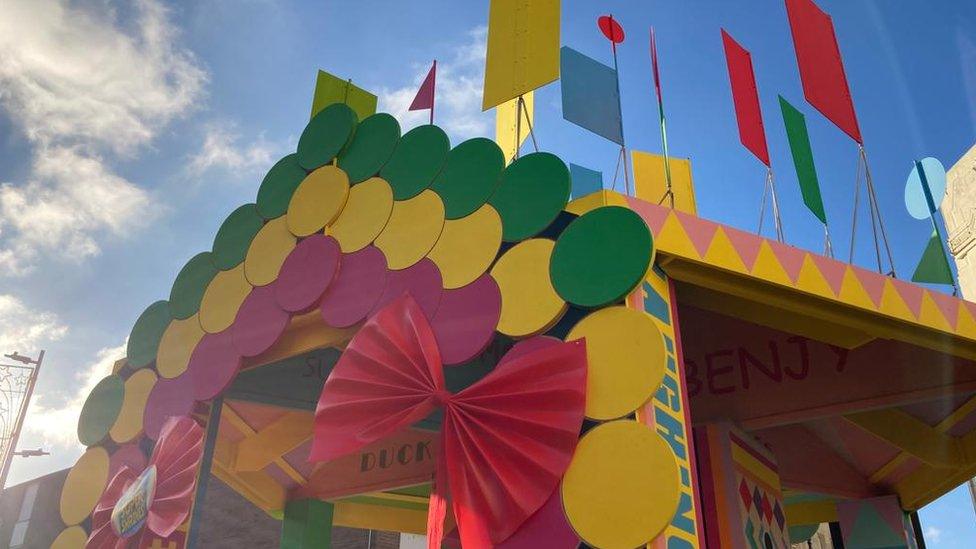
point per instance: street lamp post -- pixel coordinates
(12, 376)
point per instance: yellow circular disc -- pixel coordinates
(622, 487)
(625, 360)
(267, 252)
(176, 346)
(223, 298)
(84, 485)
(530, 305)
(366, 213)
(467, 246)
(414, 227)
(129, 423)
(71, 538)
(317, 200)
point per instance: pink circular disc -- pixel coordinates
(169, 397)
(527, 346)
(259, 323)
(213, 365)
(422, 281)
(466, 319)
(307, 272)
(355, 290)
(128, 455)
(548, 528)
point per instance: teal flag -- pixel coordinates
(585, 181)
(806, 172)
(934, 265)
(591, 97)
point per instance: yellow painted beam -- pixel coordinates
(238, 423)
(811, 512)
(376, 517)
(259, 450)
(911, 435)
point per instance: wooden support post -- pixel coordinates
(203, 475)
(307, 525)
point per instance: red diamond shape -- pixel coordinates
(745, 494)
(767, 509)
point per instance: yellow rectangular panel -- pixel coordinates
(507, 126)
(650, 181)
(523, 48)
(331, 89)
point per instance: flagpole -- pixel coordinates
(930, 200)
(616, 71)
(669, 193)
(433, 94)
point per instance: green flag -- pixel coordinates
(331, 89)
(934, 266)
(806, 172)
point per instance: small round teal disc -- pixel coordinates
(601, 257)
(325, 135)
(416, 161)
(469, 177)
(146, 333)
(531, 193)
(235, 236)
(370, 148)
(100, 410)
(188, 288)
(278, 186)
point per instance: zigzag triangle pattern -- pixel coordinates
(693, 238)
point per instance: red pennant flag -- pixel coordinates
(746, 98)
(425, 95)
(657, 75)
(821, 68)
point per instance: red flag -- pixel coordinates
(425, 95)
(821, 68)
(746, 98)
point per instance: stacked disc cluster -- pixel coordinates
(361, 214)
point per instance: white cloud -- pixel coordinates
(84, 86)
(53, 420)
(222, 149)
(23, 330)
(932, 534)
(457, 106)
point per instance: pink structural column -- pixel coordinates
(668, 412)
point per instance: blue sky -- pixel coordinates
(129, 130)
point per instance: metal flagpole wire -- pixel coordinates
(874, 202)
(857, 194)
(828, 245)
(669, 193)
(620, 119)
(518, 127)
(528, 121)
(762, 207)
(778, 222)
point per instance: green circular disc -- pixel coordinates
(469, 176)
(235, 236)
(416, 161)
(188, 288)
(146, 333)
(531, 193)
(601, 257)
(370, 148)
(101, 409)
(325, 135)
(278, 186)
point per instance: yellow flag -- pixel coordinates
(523, 48)
(507, 125)
(650, 182)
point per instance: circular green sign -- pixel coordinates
(278, 186)
(100, 410)
(325, 135)
(146, 333)
(370, 148)
(601, 257)
(531, 193)
(416, 160)
(469, 176)
(188, 288)
(235, 236)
